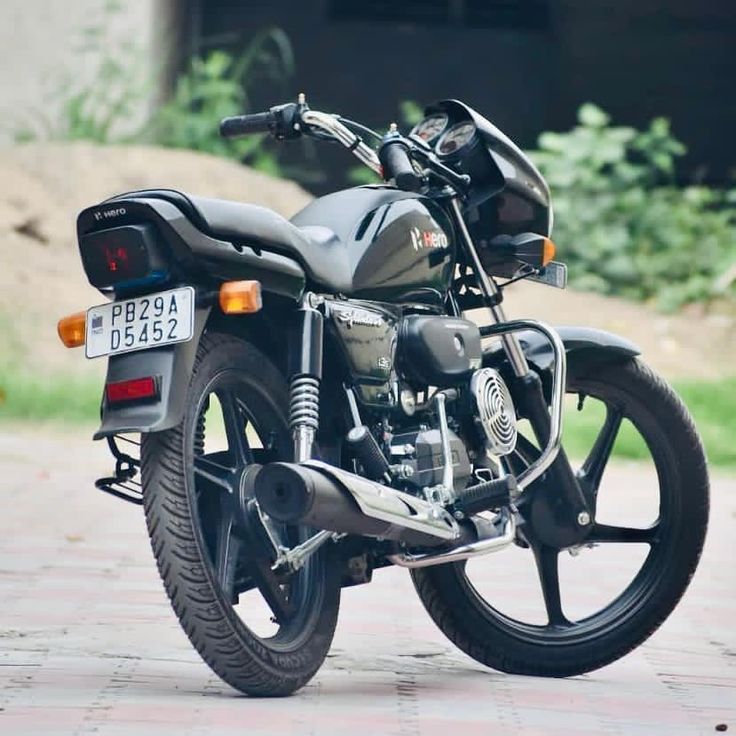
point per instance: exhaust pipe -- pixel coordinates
(322, 496)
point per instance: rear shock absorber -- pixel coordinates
(305, 374)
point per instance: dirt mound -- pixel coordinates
(43, 187)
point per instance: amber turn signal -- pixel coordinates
(72, 329)
(548, 251)
(240, 297)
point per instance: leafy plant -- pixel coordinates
(622, 224)
(218, 85)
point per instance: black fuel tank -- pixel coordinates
(400, 245)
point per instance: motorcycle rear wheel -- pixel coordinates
(565, 646)
(215, 568)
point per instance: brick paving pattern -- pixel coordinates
(89, 644)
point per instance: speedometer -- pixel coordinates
(430, 127)
(455, 138)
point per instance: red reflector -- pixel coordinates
(136, 388)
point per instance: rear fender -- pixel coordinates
(172, 365)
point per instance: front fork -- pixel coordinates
(564, 518)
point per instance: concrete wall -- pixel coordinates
(40, 42)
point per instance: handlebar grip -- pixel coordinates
(396, 162)
(259, 122)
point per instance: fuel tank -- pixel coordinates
(399, 245)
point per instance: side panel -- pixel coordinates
(367, 339)
(172, 365)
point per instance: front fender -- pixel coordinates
(586, 349)
(172, 365)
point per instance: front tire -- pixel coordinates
(565, 646)
(206, 560)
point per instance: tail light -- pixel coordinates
(120, 255)
(135, 389)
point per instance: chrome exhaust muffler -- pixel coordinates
(319, 495)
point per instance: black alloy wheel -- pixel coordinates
(264, 629)
(638, 558)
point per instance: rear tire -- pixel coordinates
(562, 647)
(273, 666)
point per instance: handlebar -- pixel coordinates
(397, 165)
(260, 122)
(394, 159)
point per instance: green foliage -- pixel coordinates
(102, 103)
(621, 223)
(216, 86)
(62, 398)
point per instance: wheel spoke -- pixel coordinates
(271, 590)
(548, 569)
(595, 463)
(235, 421)
(227, 549)
(624, 534)
(210, 469)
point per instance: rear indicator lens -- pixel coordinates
(72, 329)
(132, 390)
(240, 297)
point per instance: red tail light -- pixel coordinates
(132, 390)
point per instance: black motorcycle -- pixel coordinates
(313, 406)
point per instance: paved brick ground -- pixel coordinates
(89, 645)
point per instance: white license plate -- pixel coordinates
(141, 323)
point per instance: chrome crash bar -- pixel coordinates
(559, 378)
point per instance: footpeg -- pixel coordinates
(491, 494)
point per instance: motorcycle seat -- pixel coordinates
(318, 249)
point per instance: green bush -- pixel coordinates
(218, 85)
(621, 223)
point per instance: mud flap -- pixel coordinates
(172, 366)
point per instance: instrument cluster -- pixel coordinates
(446, 137)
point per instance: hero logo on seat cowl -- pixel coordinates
(107, 214)
(421, 239)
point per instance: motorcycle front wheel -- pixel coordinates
(658, 528)
(263, 631)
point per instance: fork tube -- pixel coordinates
(575, 513)
(491, 297)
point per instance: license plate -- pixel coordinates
(141, 323)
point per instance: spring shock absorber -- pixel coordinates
(305, 374)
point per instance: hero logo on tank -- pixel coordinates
(427, 239)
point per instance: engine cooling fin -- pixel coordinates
(496, 413)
